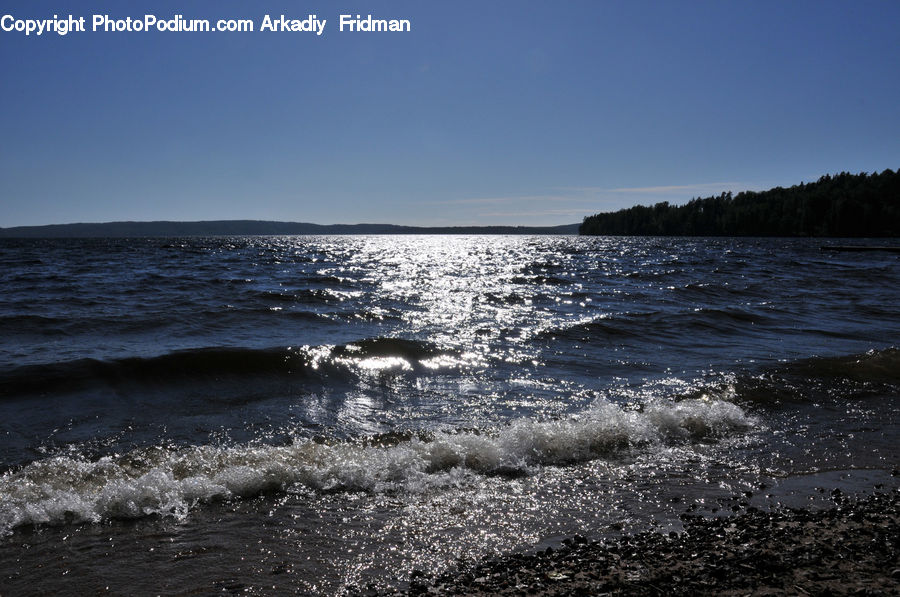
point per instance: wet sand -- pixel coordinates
(850, 548)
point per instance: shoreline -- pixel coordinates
(852, 547)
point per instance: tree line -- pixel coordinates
(840, 205)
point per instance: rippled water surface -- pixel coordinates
(299, 414)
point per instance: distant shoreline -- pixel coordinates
(256, 228)
(173, 229)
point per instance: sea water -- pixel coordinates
(262, 415)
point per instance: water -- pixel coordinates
(265, 415)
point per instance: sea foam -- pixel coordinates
(171, 481)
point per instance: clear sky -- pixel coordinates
(499, 112)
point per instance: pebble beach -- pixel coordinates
(850, 548)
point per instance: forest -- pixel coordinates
(841, 205)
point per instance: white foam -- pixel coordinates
(172, 481)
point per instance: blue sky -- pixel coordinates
(502, 112)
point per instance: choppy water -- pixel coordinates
(295, 414)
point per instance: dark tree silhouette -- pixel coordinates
(851, 205)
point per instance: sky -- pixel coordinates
(503, 112)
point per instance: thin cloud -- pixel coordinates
(515, 199)
(591, 195)
(577, 202)
(703, 187)
(534, 214)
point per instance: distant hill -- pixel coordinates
(256, 227)
(844, 205)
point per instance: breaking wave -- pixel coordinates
(171, 481)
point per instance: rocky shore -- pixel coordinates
(851, 548)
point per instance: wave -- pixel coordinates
(539, 280)
(171, 481)
(389, 347)
(812, 380)
(179, 365)
(33, 324)
(874, 373)
(323, 296)
(877, 366)
(330, 281)
(661, 323)
(42, 325)
(198, 365)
